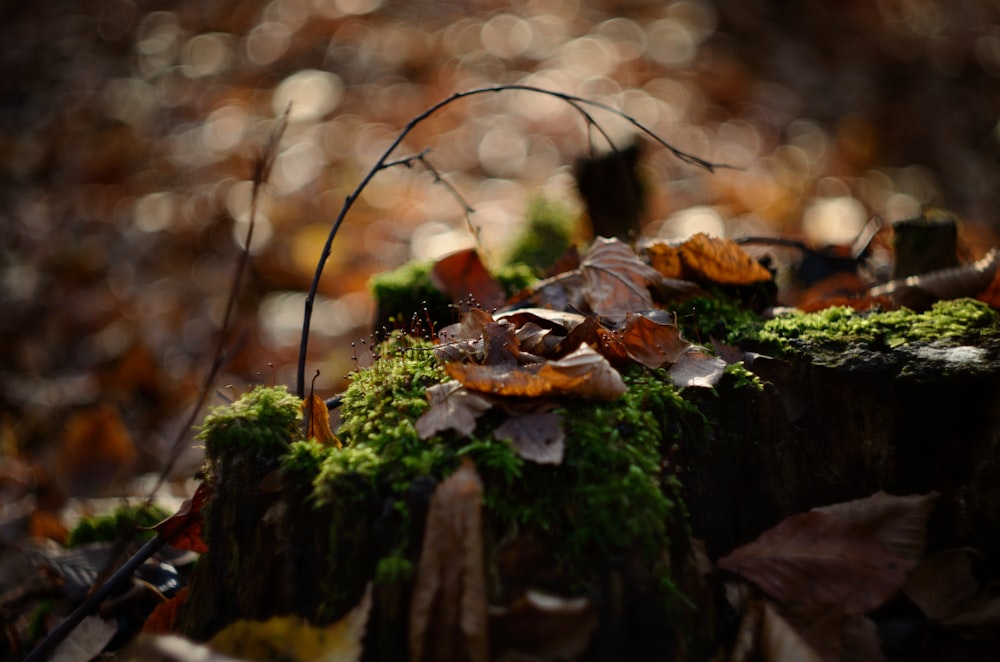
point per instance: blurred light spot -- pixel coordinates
(296, 166)
(918, 182)
(691, 221)
(337, 8)
(542, 106)
(262, 232)
(434, 240)
(280, 317)
(337, 317)
(833, 221)
(130, 100)
(292, 13)
(809, 137)
(157, 42)
(987, 50)
(155, 211)
(698, 15)
(238, 198)
(267, 42)
(588, 56)
(502, 151)
(626, 35)
(901, 207)
(311, 92)
(506, 36)
(224, 128)
(20, 281)
(206, 54)
(670, 43)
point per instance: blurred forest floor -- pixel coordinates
(128, 132)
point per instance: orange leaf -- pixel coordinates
(651, 343)
(183, 529)
(720, 261)
(666, 259)
(462, 275)
(448, 612)
(583, 372)
(318, 422)
(96, 450)
(163, 619)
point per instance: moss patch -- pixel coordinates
(546, 236)
(265, 420)
(954, 322)
(123, 522)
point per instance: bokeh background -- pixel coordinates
(128, 132)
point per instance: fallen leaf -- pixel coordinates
(665, 258)
(317, 422)
(170, 648)
(462, 275)
(651, 343)
(294, 639)
(615, 280)
(499, 344)
(448, 611)
(583, 372)
(815, 558)
(899, 522)
(834, 635)
(720, 261)
(183, 529)
(696, 368)
(452, 408)
(536, 437)
(163, 619)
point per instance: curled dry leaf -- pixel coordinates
(615, 280)
(317, 421)
(183, 529)
(448, 612)
(706, 259)
(536, 437)
(462, 275)
(696, 368)
(584, 372)
(651, 343)
(814, 558)
(452, 408)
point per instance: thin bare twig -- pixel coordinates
(580, 104)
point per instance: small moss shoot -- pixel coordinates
(265, 420)
(546, 236)
(955, 322)
(717, 317)
(123, 522)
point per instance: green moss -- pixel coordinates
(547, 234)
(265, 420)
(960, 320)
(717, 317)
(407, 294)
(393, 569)
(124, 521)
(739, 377)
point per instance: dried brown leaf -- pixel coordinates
(462, 275)
(651, 343)
(720, 261)
(536, 437)
(615, 280)
(696, 368)
(583, 372)
(448, 612)
(968, 280)
(452, 408)
(779, 641)
(815, 558)
(899, 522)
(317, 419)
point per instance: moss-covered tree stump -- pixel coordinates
(836, 405)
